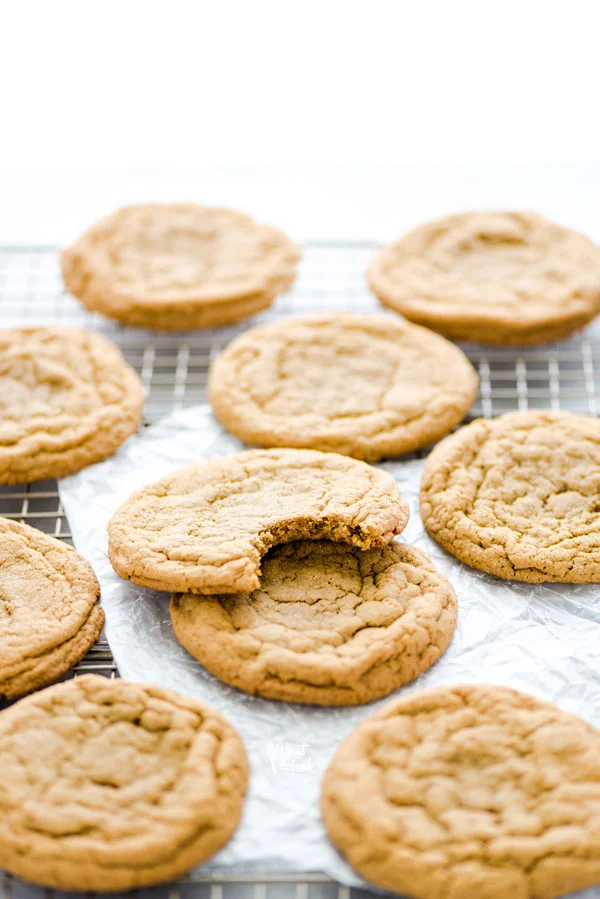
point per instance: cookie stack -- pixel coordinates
(337, 615)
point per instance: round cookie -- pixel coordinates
(67, 399)
(497, 277)
(204, 528)
(109, 785)
(329, 624)
(366, 386)
(179, 266)
(49, 612)
(475, 792)
(519, 496)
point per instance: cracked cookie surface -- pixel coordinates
(49, 612)
(204, 528)
(497, 277)
(67, 399)
(110, 785)
(366, 386)
(475, 792)
(329, 624)
(519, 496)
(179, 266)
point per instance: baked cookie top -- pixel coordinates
(204, 528)
(366, 386)
(49, 616)
(468, 792)
(519, 496)
(179, 265)
(498, 277)
(67, 399)
(110, 785)
(329, 624)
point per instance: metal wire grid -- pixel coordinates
(174, 369)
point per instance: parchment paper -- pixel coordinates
(540, 639)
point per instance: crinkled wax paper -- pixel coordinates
(541, 639)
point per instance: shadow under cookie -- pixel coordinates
(329, 625)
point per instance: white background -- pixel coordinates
(161, 93)
(319, 202)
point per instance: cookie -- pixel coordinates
(519, 496)
(109, 785)
(476, 792)
(367, 386)
(49, 612)
(67, 399)
(329, 624)
(204, 528)
(497, 277)
(179, 266)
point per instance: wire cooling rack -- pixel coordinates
(174, 369)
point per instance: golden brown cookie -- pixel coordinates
(49, 612)
(330, 624)
(519, 496)
(67, 399)
(366, 386)
(475, 792)
(179, 266)
(204, 528)
(109, 785)
(498, 277)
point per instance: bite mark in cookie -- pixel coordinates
(204, 528)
